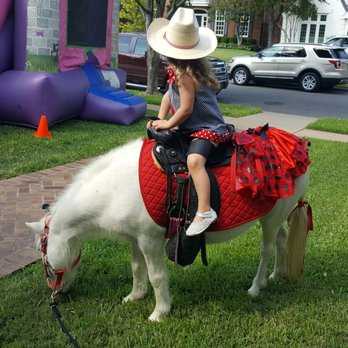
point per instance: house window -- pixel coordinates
(303, 33)
(312, 31)
(202, 18)
(244, 26)
(321, 35)
(220, 23)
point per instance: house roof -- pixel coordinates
(345, 4)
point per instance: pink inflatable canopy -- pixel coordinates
(73, 56)
(4, 9)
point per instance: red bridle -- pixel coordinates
(57, 284)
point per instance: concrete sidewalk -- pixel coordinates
(22, 196)
(291, 123)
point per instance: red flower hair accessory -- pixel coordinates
(170, 76)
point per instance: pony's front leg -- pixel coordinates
(140, 278)
(267, 247)
(153, 250)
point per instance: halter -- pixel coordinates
(57, 284)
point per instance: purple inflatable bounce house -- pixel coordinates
(85, 87)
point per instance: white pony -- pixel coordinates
(104, 201)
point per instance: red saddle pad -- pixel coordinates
(236, 208)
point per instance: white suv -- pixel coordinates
(312, 66)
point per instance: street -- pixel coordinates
(289, 100)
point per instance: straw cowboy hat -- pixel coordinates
(181, 37)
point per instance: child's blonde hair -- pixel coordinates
(198, 69)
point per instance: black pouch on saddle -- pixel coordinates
(171, 153)
(180, 248)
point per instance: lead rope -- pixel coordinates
(58, 316)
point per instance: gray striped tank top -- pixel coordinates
(206, 113)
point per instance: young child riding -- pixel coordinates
(191, 99)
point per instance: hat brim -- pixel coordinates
(156, 39)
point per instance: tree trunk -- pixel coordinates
(153, 61)
(152, 56)
(270, 28)
(117, 29)
(238, 36)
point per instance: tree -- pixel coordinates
(131, 19)
(271, 10)
(117, 28)
(152, 9)
(235, 10)
(293, 17)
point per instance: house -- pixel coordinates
(253, 29)
(331, 20)
(43, 26)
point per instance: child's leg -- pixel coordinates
(196, 166)
(197, 157)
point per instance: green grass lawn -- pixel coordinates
(334, 125)
(228, 110)
(210, 305)
(42, 63)
(72, 140)
(227, 53)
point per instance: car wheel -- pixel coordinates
(310, 81)
(241, 76)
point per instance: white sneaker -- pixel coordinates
(197, 227)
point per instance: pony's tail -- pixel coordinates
(300, 222)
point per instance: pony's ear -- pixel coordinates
(35, 227)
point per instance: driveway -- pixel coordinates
(289, 100)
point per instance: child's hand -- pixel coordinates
(160, 124)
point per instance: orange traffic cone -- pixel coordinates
(42, 129)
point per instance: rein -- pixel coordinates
(57, 285)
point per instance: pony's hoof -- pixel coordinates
(158, 316)
(134, 297)
(253, 292)
(263, 284)
(273, 277)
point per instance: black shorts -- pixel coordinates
(202, 147)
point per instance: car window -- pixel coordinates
(294, 51)
(344, 42)
(140, 47)
(321, 53)
(275, 51)
(124, 44)
(340, 53)
(333, 42)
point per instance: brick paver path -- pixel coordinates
(20, 201)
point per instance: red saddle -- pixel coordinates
(245, 194)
